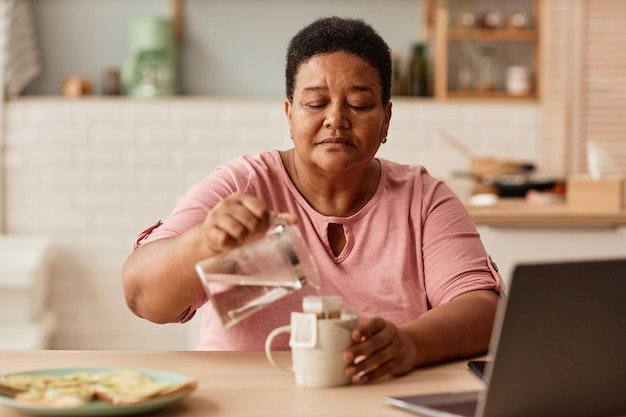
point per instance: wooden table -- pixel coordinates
(245, 384)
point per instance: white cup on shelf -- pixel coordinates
(517, 80)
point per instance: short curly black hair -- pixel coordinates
(336, 34)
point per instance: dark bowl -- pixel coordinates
(519, 185)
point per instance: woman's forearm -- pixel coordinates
(159, 278)
(459, 328)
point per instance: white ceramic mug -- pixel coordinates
(316, 348)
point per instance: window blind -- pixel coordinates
(603, 95)
(584, 82)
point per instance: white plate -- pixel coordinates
(99, 408)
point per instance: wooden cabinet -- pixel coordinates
(484, 49)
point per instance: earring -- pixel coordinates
(384, 140)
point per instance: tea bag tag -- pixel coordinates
(325, 307)
(303, 330)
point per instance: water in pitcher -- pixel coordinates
(239, 297)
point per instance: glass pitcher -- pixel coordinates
(245, 280)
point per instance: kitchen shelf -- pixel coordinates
(493, 35)
(489, 95)
(511, 47)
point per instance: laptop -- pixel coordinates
(558, 347)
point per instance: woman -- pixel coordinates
(392, 241)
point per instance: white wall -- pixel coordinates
(230, 47)
(92, 173)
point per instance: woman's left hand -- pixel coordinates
(381, 350)
(457, 329)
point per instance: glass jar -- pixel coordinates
(486, 71)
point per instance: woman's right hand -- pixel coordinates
(238, 219)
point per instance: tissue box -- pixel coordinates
(604, 195)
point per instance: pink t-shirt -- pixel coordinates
(411, 248)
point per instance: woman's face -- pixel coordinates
(337, 119)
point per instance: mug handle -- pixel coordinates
(268, 347)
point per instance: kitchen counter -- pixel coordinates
(514, 211)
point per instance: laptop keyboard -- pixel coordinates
(466, 408)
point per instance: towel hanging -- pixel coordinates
(20, 58)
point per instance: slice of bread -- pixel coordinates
(52, 391)
(131, 387)
(57, 399)
(8, 390)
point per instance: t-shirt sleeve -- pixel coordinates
(455, 259)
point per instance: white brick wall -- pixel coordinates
(92, 173)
